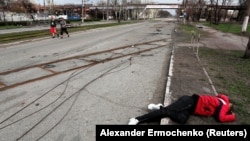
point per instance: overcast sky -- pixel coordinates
(93, 1)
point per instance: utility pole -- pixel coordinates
(44, 5)
(82, 11)
(107, 10)
(50, 7)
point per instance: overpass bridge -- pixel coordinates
(159, 6)
(142, 8)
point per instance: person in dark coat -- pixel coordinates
(64, 29)
(217, 106)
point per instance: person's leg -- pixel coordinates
(52, 30)
(154, 106)
(179, 111)
(66, 31)
(56, 33)
(183, 103)
(62, 30)
(154, 115)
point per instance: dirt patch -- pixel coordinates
(220, 40)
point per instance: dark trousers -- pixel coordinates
(64, 30)
(179, 111)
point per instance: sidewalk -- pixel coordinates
(220, 40)
(188, 78)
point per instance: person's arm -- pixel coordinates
(226, 115)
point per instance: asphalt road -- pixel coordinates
(60, 89)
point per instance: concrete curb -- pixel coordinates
(167, 99)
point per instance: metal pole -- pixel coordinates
(103, 11)
(107, 10)
(44, 5)
(82, 12)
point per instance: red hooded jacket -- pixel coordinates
(208, 105)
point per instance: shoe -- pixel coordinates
(57, 35)
(53, 36)
(154, 106)
(61, 37)
(133, 121)
(68, 35)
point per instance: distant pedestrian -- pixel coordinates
(63, 25)
(53, 30)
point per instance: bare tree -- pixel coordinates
(247, 51)
(200, 6)
(22, 6)
(241, 13)
(246, 18)
(4, 5)
(216, 10)
(193, 9)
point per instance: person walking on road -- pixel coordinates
(218, 107)
(63, 27)
(53, 30)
